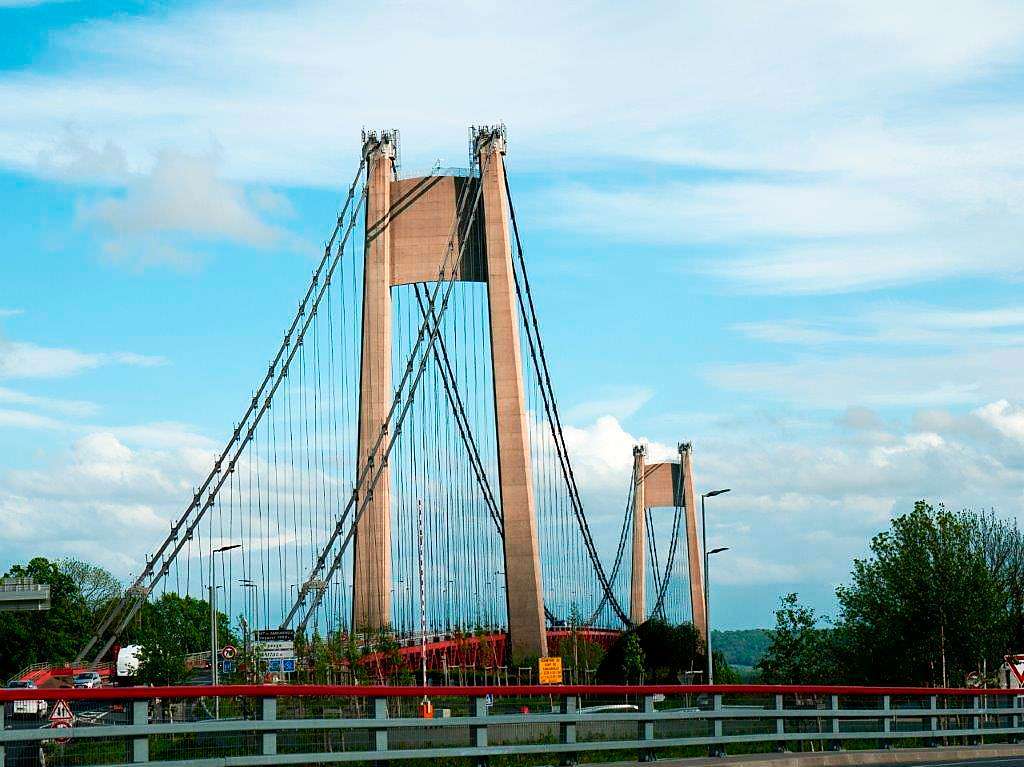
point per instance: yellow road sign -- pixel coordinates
(550, 670)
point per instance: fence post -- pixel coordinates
(717, 749)
(379, 735)
(1016, 718)
(836, 744)
(933, 704)
(976, 720)
(887, 719)
(780, 725)
(645, 731)
(2, 708)
(568, 729)
(478, 708)
(140, 744)
(269, 714)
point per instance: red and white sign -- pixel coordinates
(229, 652)
(61, 726)
(62, 714)
(61, 718)
(1016, 665)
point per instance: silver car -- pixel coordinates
(87, 679)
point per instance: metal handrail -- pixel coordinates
(969, 715)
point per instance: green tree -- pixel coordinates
(633, 659)
(724, 673)
(50, 636)
(171, 628)
(666, 652)
(925, 607)
(96, 584)
(798, 650)
(744, 647)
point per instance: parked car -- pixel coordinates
(87, 679)
(37, 708)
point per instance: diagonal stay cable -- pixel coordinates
(133, 596)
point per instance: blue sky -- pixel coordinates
(788, 232)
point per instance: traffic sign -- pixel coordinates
(550, 670)
(62, 714)
(229, 652)
(275, 635)
(288, 665)
(62, 726)
(228, 666)
(276, 650)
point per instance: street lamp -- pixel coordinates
(213, 615)
(707, 616)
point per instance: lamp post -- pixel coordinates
(704, 546)
(214, 676)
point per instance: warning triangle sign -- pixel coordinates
(62, 713)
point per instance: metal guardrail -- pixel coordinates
(264, 725)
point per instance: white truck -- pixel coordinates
(126, 668)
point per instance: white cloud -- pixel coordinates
(20, 359)
(1006, 418)
(898, 324)
(181, 197)
(28, 3)
(20, 419)
(619, 402)
(62, 406)
(839, 118)
(686, 212)
(911, 381)
(10, 312)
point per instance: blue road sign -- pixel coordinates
(273, 665)
(228, 666)
(288, 665)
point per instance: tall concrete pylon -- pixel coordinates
(670, 484)
(638, 576)
(693, 552)
(409, 226)
(371, 602)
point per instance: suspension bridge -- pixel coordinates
(402, 464)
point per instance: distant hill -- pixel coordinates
(742, 647)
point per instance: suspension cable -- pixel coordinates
(137, 593)
(554, 419)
